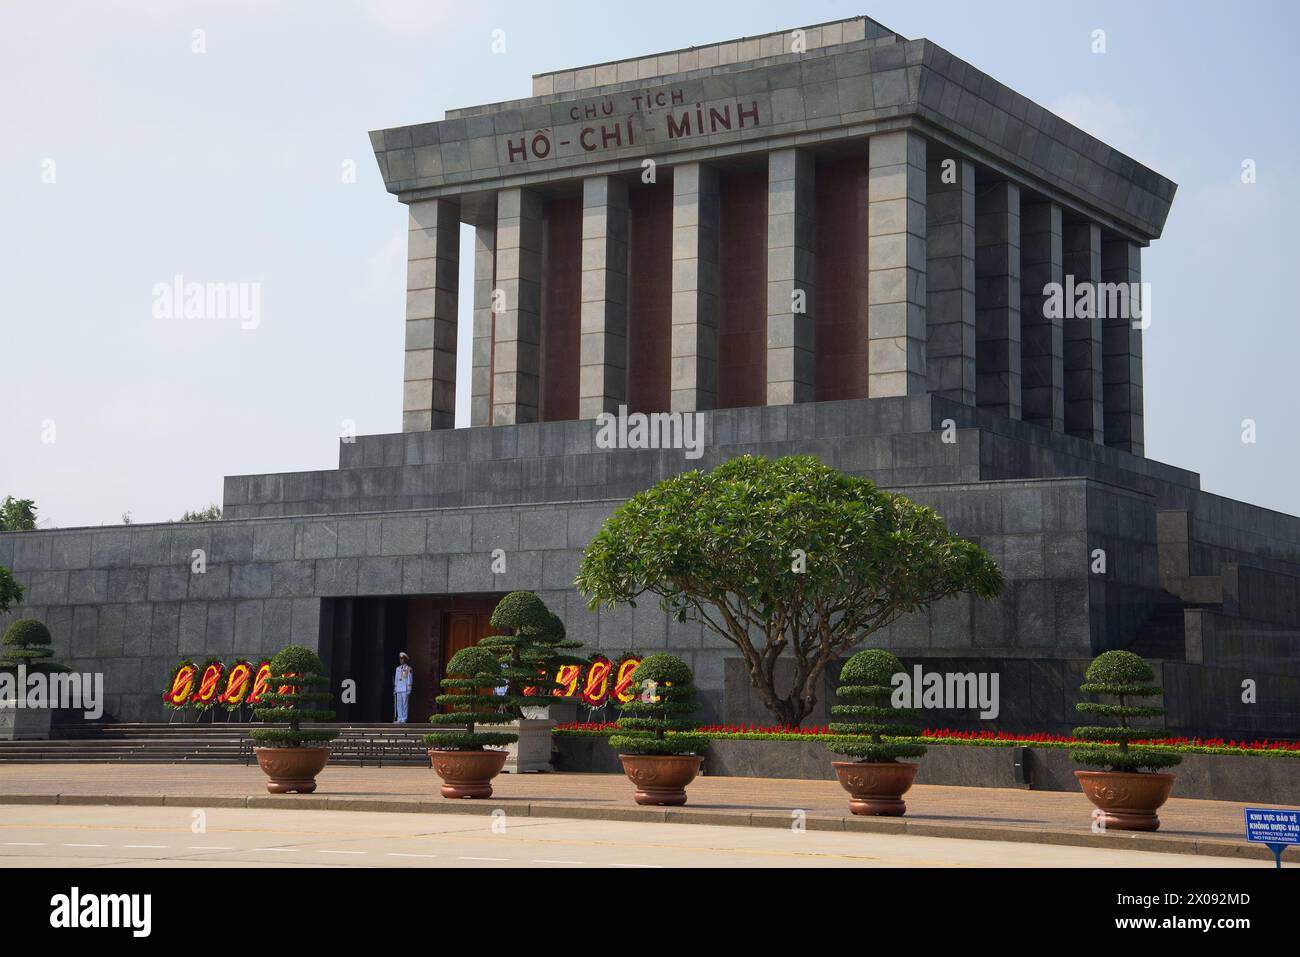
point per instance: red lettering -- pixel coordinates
(519, 149)
(606, 137)
(582, 139)
(752, 113)
(677, 130)
(718, 120)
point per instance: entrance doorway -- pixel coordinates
(365, 636)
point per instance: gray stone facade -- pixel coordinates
(1026, 434)
(420, 514)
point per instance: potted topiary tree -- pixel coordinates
(559, 668)
(658, 757)
(876, 780)
(531, 646)
(1128, 792)
(462, 757)
(292, 757)
(25, 650)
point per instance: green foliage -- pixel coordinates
(210, 514)
(1121, 675)
(27, 642)
(17, 514)
(472, 675)
(295, 659)
(531, 648)
(785, 557)
(654, 722)
(520, 609)
(300, 673)
(865, 682)
(11, 593)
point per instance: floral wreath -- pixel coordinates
(210, 675)
(239, 682)
(261, 677)
(181, 686)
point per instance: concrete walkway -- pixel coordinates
(129, 837)
(1188, 827)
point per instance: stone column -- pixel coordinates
(1083, 336)
(695, 288)
(432, 285)
(1121, 262)
(603, 379)
(997, 297)
(1042, 337)
(791, 276)
(896, 293)
(950, 278)
(516, 353)
(485, 255)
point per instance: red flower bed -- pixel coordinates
(1255, 745)
(948, 734)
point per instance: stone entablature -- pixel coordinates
(823, 96)
(690, 59)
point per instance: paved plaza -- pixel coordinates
(133, 837)
(1205, 829)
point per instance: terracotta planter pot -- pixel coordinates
(291, 769)
(661, 778)
(1128, 800)
(467, 774)
(876, 787)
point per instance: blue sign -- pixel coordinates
(1274, 827)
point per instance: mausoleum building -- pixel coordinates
(832, 241)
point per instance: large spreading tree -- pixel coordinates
(786, 559)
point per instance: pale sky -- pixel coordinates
(127, 159)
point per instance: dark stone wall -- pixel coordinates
(419, 514)
(742, 272)
(1038, 694)
(840, 312)
(649, 297)
(561, 307)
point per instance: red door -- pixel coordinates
(463, 627)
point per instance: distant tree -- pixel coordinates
(209, 514)
(17, 514)
(11, 593)
(126, 518)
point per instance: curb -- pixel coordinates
(1130, 841)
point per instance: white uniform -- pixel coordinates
(402, 690)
